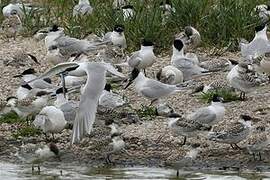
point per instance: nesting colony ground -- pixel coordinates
(141, 137)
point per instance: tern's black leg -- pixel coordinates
(232, 146)
(236, 146)
(254, 156)
(185, 140)
(177, 173)
(260, 156)
(108, 160)
(63, 83)
(144, 72)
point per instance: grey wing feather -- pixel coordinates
(156, 89)
(107, 36)
(69, 109)
(203, 115)
(135, 59)
(183, 63)
(256, 47)
(56, 70)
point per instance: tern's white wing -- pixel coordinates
(56, 70)
(203, 115)
(257, 47)
(86, 114)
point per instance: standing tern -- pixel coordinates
(150, 88)
(82, 8)
(117, 36)
(258, 46)
(96, 80)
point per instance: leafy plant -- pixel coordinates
(227, 95)
(27, 131)
(147, 112)
(10, 118)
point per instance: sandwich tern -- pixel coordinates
(211, 114)
(240, 78)
(150, 88)
(28, 106)
(187, 65)
(11, 25)
(82, 8)
(29, 74)
(50, 120)
(117, 36)
(220, 64)
(143, 58)
(258, 140)
(12, 7)
(170, 75)
(26, 91)
(21, 59)
(43, 154)
(258, 46)
(263, 12)
(185, 127)
(231, 132)
(109, 99)
(68, 45)
(128, 12)
(96, 73)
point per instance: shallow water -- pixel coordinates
(12, 172)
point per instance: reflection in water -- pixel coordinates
(12, 172)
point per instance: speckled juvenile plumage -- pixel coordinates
(11, 26)
(217, 65)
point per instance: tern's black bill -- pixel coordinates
(17, 76)
(129, 83)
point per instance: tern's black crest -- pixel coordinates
(268, 7)
(259, 28)
(108, 87)
(174, 115)
(245, 117)
(27, 86)
(108, 122)
(48, 80)
(217, 98)
(178, 44)
(11, 97)
(147, 43)
(54, 28)
(53, 47)
(165, 2)
(195, 145)
(60, 90)
(233, 62)
(54, 149)
(119, 28)
(188, 31)
(41, 93)
(128, 7)
(29, 71)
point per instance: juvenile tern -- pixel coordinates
(13, 6)
(96, 74)
(187, 65)
(150, 88)
(82, 8)
(191, 37)
(231, 133)
(170, 75)
(11, 25)
(239, 78)
(220, 64)
(50, 120)
(211, 114)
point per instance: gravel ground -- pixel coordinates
(142, 137)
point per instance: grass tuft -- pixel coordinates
(227, 95)
(146, 112)
(10, 118)
(27, 131)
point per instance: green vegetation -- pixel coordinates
(146, 112)
(27, 131)
(221, 22)
(10, 118)
(227, 95)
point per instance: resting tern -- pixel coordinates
(187, 65)
(29, 74)
(82, 8)
(211, 114)
(67, 45)
(96, 74)
(11, 25)
(150, 88)
(117, 36)
(170, 75)
(258, 46)
(50, 120)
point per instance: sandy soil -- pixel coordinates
(141, 138)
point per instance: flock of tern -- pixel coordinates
(52, 109)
